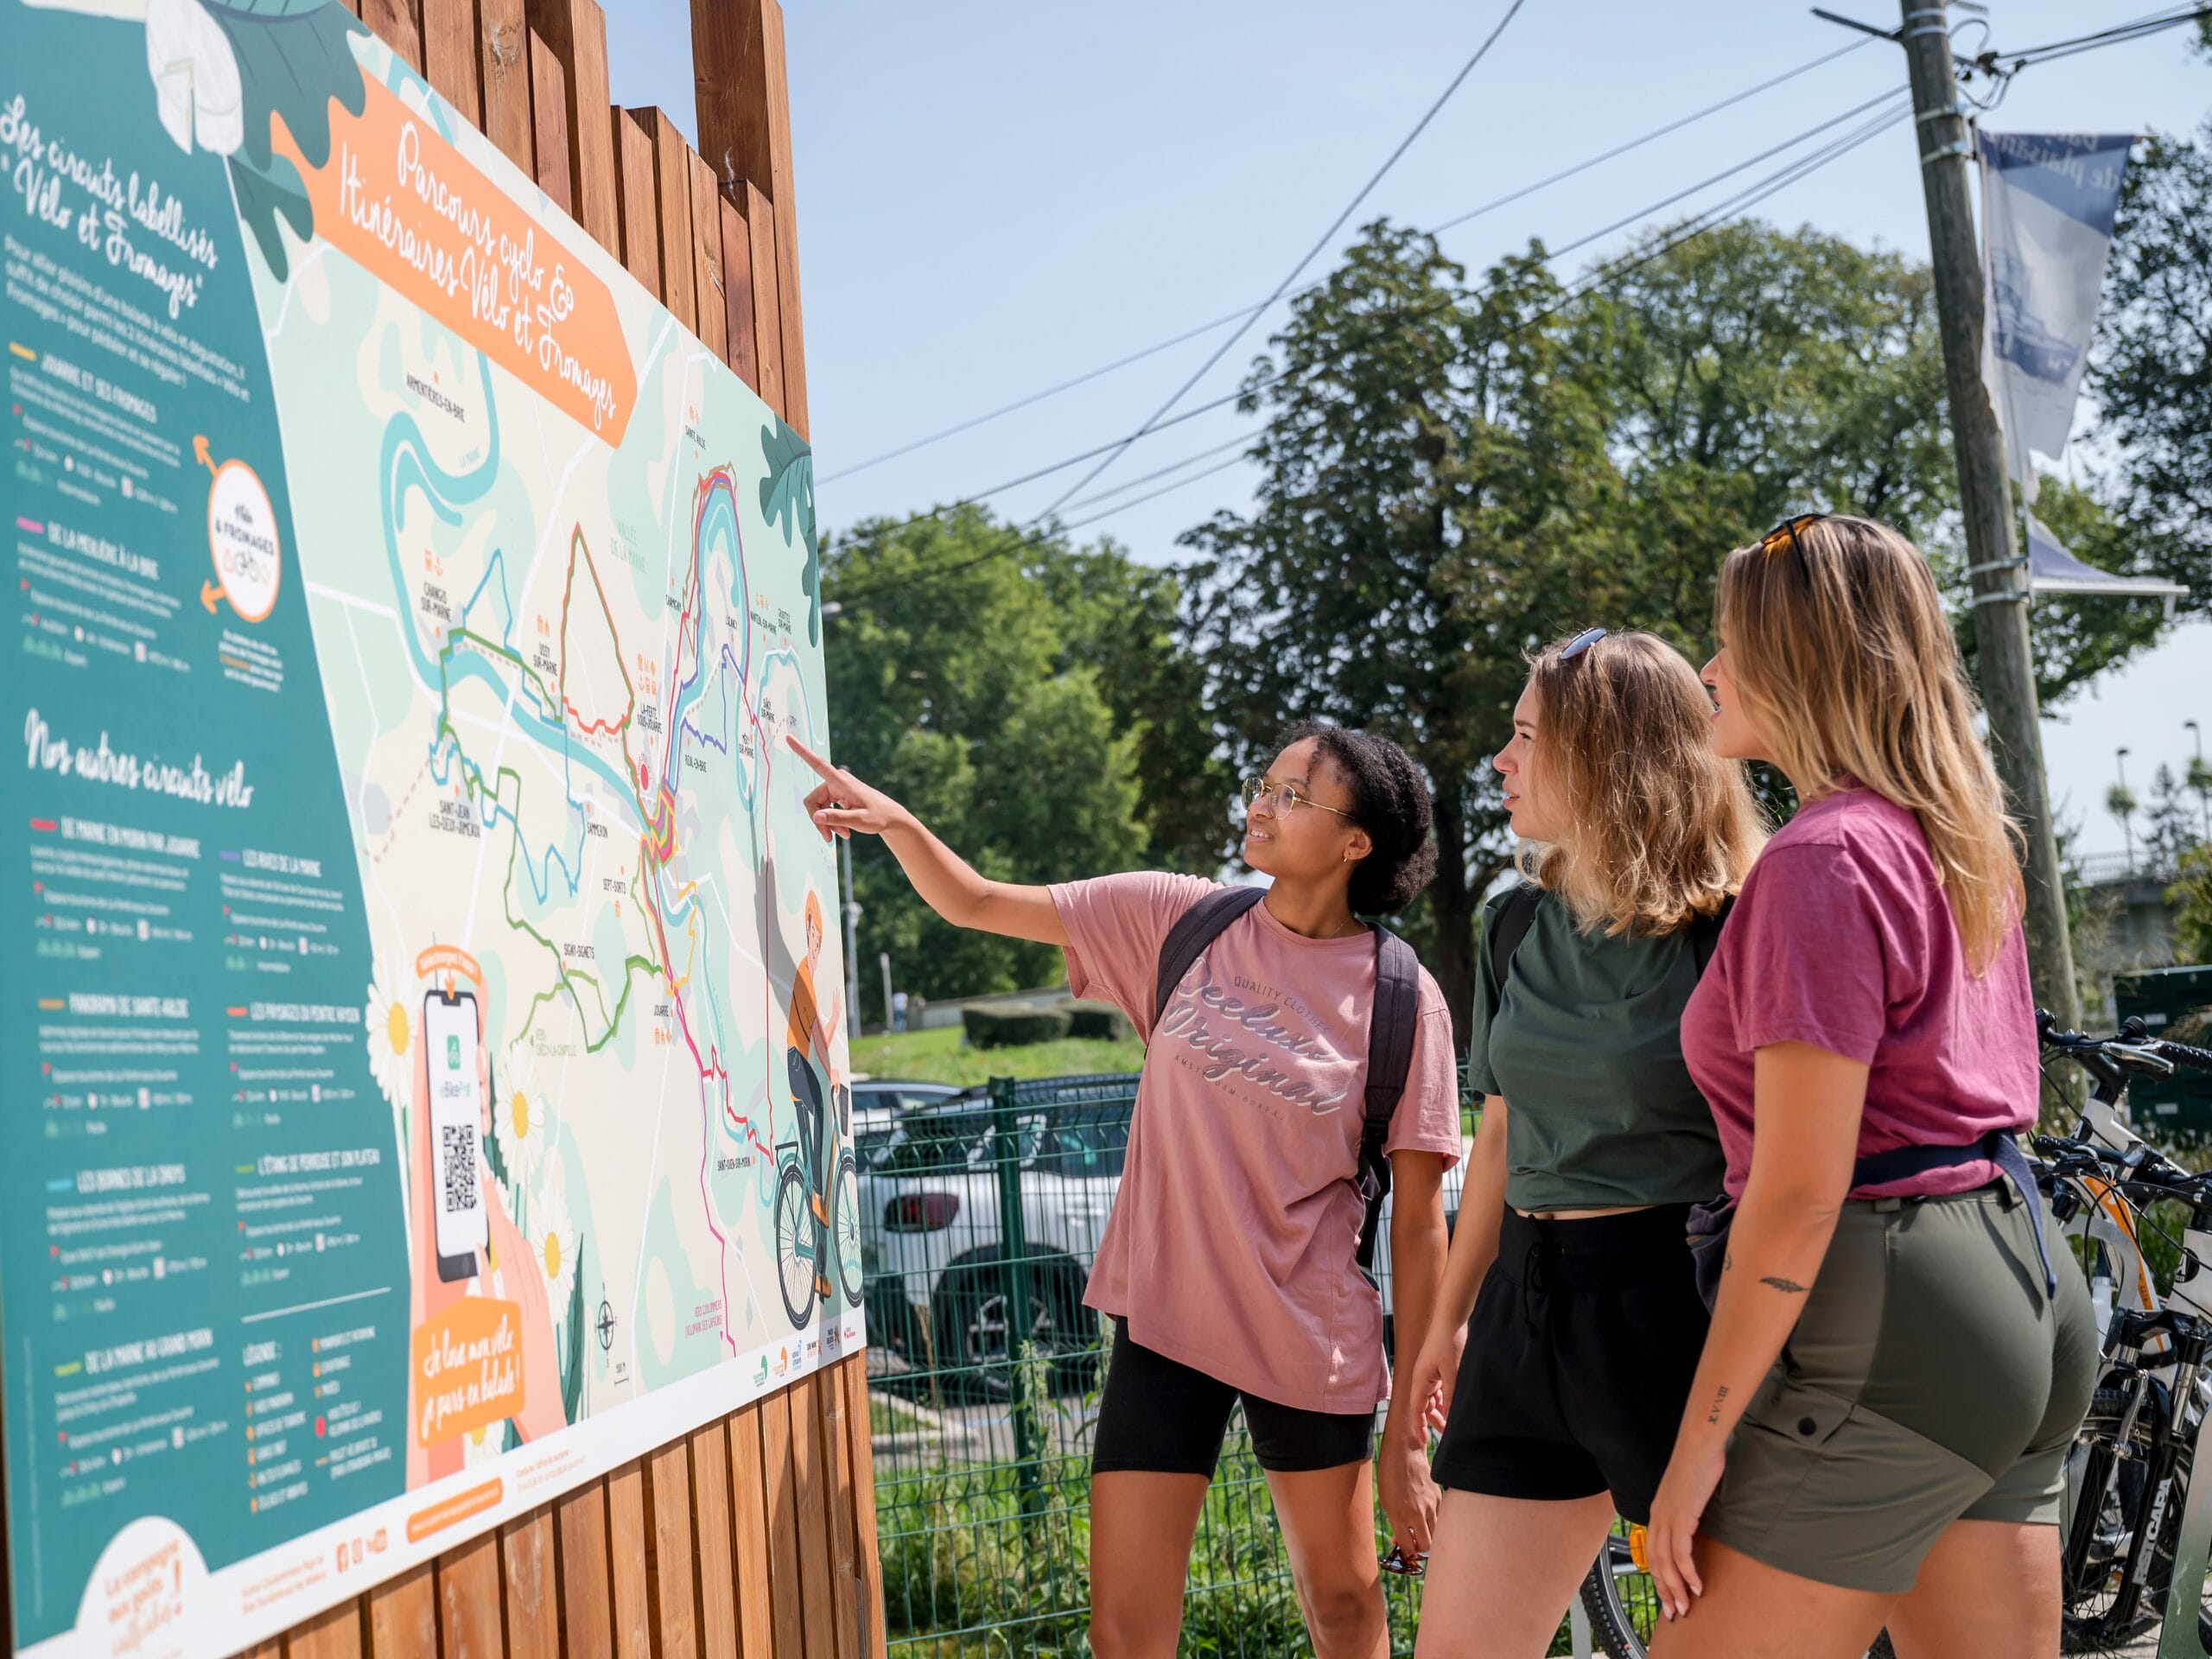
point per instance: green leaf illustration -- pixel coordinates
(572, 1361)
(263, 198)
(787, 497)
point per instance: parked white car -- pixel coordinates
(934, 1234)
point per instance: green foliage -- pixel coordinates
(942, 1056)
(1009, 1026)
(1101, 1020)
(1005, 700)
(2192, 897)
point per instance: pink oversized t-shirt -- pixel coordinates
(1842, 938)
(1231, 1241)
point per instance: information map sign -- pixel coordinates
(424, 1049)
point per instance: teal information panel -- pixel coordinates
(426, 1056)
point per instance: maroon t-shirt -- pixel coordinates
(1842, 938)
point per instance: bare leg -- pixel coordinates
(1142, 1526)
(1501, 1572)
(1751, 1611)
(1988, 1587)
(1328, 1517)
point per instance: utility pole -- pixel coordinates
(852, 946)
(1994, 568)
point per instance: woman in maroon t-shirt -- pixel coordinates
(1902, 1351)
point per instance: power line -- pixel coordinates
(1012, 542)
(2119, 34)
(1313, 253)
(1204, 328)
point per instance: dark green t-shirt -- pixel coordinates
(1584, 1042)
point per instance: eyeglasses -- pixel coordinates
(1414, 1567)
(1282, 799)
(1785, 535)
(1581, 642)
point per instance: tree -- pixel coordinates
(2152, 370)
(2168, 823)
(1010, 720)
(2192, 897)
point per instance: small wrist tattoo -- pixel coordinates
(1714, 1415)
(1788, 1286)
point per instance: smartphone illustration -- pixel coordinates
(450, 1028)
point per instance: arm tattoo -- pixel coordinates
(1714, 1415)
(1788, 1286)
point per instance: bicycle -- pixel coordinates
(805, 1247)
(2128, 1478)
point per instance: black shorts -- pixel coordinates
(1580, 1353)
(1160, 1416)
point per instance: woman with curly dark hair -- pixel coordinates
(1232, 1264)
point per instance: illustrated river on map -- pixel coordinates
(428, 1048)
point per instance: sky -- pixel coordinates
(995, 198)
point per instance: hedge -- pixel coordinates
(1001, 1025)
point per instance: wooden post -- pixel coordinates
(503, 67)
(548, 105)
(575, 33)
(640, 217)
(672, 176)
(449, 55)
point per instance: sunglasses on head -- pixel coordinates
(1580, 642)
(1784, 534)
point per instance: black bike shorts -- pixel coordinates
(1580, 1353)
(1160, 1416)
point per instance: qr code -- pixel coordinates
(458, 1143)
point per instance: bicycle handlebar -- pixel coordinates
(2133, 1049)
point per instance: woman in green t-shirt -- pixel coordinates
(1584, 1336)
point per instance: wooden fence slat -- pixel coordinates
(672, 168)
(768, 323)
(640, 217)
(748, 1532)
(503, 67)
(837, 1500)
(707, 257)
(741, 355)
(867, 1545)
(625, 1550)
(810, 1477)
(469, 1601)
(529, 1573)
(548, 122)
(579, 1547)
(671, 1587)
(272, 1648)
(396, 23)
(576, 32)
(404, 1616)
(783, 193)
(785, 1570)
(710, 1518)
(333, 1635)
(449, 55)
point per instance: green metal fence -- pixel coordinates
(981, 1417)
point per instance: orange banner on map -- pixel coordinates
(468, 1365)
(406, 205)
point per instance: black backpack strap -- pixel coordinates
(1390, 1027)
(1507, 930)
(1195, 929)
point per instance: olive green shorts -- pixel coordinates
(1930, 1379)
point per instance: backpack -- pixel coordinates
(1389, 1032)
(1519, 910)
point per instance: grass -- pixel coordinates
(943, 1057)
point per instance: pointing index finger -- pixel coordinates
(823, 768)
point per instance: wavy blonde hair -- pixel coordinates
(1841, 653)
(1659, 829)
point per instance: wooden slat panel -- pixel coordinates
(576, 31)
(783, 192)
(672, 1586)
(707, 257)
(397, 23)
(710, 1517)
(548, 121)
(737, 295)
(786, 1574)
(867, 1547)
(837, 1500)
(579, 1544)
(767, 322)
(449, 55)
(625, 1550)
(528, 1574)
(672, 167)
(640, 218)
(503, 67)
(404, 1616)
(748, 1533)
(272, 1648)
(334, 1635)
(810, 1481)
(469, 1601)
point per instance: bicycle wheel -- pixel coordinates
(2099, 1611)
(794, 1250)
(1624, 1604)
(845, 1228)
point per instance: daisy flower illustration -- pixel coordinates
(389, 1026)
(523, 1121)
(553, 1238)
